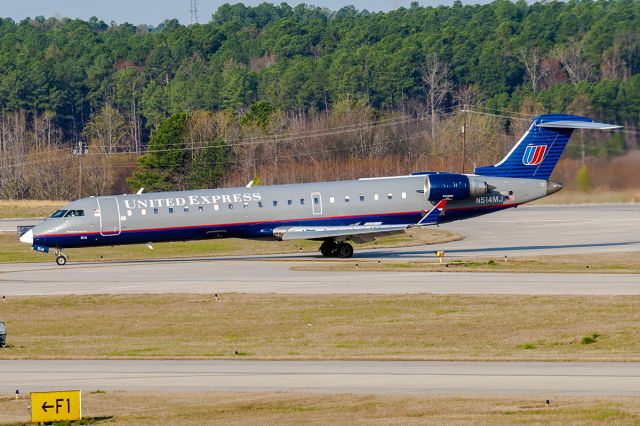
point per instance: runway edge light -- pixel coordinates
(56, 406)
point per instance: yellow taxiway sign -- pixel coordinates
(56, 406)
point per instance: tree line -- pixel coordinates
(177, 106)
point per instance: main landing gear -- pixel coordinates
(61, 258)
(336, 249)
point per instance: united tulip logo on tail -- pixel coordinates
(533, 155)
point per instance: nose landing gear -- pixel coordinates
(331, 248)
(61, 258)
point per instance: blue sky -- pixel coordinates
(153, 12)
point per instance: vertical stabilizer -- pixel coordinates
(538, 151)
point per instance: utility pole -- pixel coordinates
(80, 151)
(464, 137)
(193, 10)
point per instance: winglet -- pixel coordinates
(432, 217)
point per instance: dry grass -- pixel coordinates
(591, 197)
(231, 408)
(11, 250)
(605, 263)
(28, 208)
(396, 327)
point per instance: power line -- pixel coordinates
(328, 131)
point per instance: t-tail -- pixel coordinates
(538, 151)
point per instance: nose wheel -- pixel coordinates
(61, 258)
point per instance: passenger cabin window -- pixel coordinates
(390, 196)
(346, 198)
(129, 213)
(362, 198)
(302, 201)
(404, 195)
(143, 212)
(170, 209)
(216, 207)
(155, 211)
(332, 200)
(59, 213)
(275, 203)
(73, 213)
(186, 209)
(201, 208)
(245, 205)
(375, 197)
(230, 206)
(289, 202)
(260, 204)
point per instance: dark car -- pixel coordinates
(3, 334)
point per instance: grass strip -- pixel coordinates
(604, 263)
(11, 250)
(390, 327)
(231, 408)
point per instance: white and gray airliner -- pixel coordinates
(334, 213)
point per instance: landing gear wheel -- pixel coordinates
(345, 250)
(328, 249)
(61, 260)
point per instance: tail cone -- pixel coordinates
(553, 187)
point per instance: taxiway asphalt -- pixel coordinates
(371, 377)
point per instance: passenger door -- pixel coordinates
(316, 203)
(109, 216)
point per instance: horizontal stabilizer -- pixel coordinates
(570, 124)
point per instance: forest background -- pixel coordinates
(291, 94)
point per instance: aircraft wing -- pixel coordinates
(357, 233)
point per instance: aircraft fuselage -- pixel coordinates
(255, 212)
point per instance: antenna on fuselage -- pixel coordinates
(250, 184)
(140, 191)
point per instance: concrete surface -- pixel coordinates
(376, 377)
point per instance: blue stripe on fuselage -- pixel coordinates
(246, 230)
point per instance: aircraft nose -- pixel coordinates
(27, 237)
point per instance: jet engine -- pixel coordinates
(453, 187)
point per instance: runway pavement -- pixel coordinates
(556, 230)
(276, 277)
(371, 377)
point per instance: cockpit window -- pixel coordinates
(72, 213)
(59, 213)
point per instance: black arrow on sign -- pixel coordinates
(45, 406)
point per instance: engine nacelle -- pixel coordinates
(453, 187)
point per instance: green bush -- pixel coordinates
(583, 180)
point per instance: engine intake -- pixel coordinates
(453, 187)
